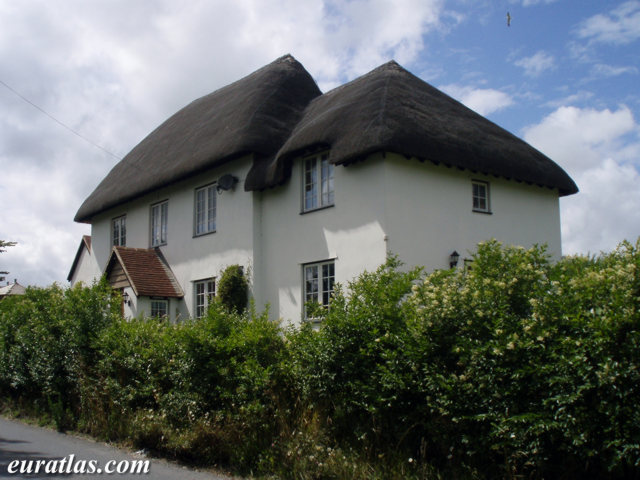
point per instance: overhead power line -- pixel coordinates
(59, 122)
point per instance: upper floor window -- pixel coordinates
(480, 194)
(205, 210)
(119, 231)
(204, 291)
(159, 214)
(317, 182)
(318, 283)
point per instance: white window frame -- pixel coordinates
(159, 221)
(203, 293)
(204, 210)
(159, 308)
(119, 231)
(318, 281)
(480, 197)
(317, 182)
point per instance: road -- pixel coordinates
(24, 447)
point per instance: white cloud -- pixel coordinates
(114, 70)
(536, 64)
(598, 149)
(528, 3)
(482, 100)
(603, 70)
(621, 26)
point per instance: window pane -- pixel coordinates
(327, 282)
(200, 299)
(155, 225)
(211, 290)
(327, 181)
(165, 208)
(310, 184)
(211, 211)
(200, 202)
(116, 233)
(123, 231)
(311, 283)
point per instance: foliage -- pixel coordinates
(233, 289)
(518, 367)
(4, 244)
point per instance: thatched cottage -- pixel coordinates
(305, 189)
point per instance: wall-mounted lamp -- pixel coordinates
(125, 298)
(226, 182)
(453, 259)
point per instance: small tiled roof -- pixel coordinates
(147, 271)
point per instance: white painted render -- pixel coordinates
(419, 211)
(87, 269)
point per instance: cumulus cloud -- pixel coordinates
(482, 100)
(113, 71)
(536, 64)
(621, 26)
(589, 144)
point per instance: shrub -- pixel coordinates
(233, 289)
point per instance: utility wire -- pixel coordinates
(59, 122)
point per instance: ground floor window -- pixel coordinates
(318, 283)
(204, 291)
(159, 308)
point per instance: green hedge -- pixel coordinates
(516, 367)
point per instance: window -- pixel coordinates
(159, 308)
(119, 231)
(318, 283)
(317, 182)
(205, 210)
(159, 224)
(480, 193)
(204, 291)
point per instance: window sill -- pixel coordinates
(197, 235)
(486, 212)
(316, 209)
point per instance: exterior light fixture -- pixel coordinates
(453, 259)
(226, 182)
(125, 298)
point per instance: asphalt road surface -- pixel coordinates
(25, 448)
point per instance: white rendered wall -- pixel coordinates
(87, 270)
(190, 257)
(429, 213)
(419, 211)
(351, 232)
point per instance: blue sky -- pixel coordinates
(564, 76)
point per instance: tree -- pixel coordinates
(233, 288)
(3, 245)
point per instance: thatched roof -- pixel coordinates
(252, 115)
(278, 112)
(389, 109)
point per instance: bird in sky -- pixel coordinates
(508, 19)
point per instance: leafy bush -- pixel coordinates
(233, 289)
(518, 367)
